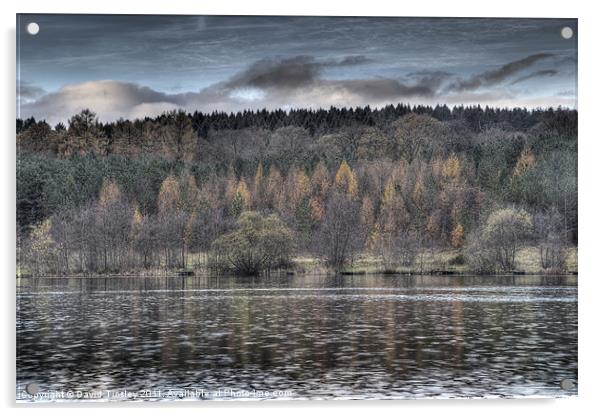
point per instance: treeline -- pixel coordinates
(88, 201)
(123, 136)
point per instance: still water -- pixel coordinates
(296, 337)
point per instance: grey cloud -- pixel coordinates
(384, 88)
(499, 75)
(110, 99)
(27, 90)
(268, 73)
(288, 73)
(537, 74)
(276, 83)
(277, 78)
(350, 60)
(433, 79)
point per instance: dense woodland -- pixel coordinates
(252, 191)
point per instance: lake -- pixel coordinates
(296, 337)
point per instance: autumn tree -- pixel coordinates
(457, 236)
(452, 169)
(525, 162)
(320, 180)
(259, 187)
(346, 181)
(320, 186)
(143, 236)
(298, 188)
(393, 211)
(274, 189)
(241, 200)
(169, 195)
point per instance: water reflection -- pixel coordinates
(319, 337)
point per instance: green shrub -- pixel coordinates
(258, 244)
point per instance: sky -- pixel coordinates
(129, 66)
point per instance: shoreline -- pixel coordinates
(439, 263)
(435, 273)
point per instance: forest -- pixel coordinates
(298, 191)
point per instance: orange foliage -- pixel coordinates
(346, 180)
(457, 236)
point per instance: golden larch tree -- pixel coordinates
(320, 180)
(302, 186)
(452, 169)
(109, 193)
(457, 236)
(169, 195)
(389, 192)
(242, 193)
(418, 193)
(346, 180)
(525, 162)
(258, 186)
(136, 222)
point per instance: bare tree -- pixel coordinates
(550, 233)
(339, 236)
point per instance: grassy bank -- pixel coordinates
(443, 261)
(435, 261)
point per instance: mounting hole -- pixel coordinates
(33, 28)
(566, 32)
(32, 388)
(566, 384)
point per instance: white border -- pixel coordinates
(590, 153)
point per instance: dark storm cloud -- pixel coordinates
(290, 72)
(537, 74)
(278, 76)
(499, 75)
